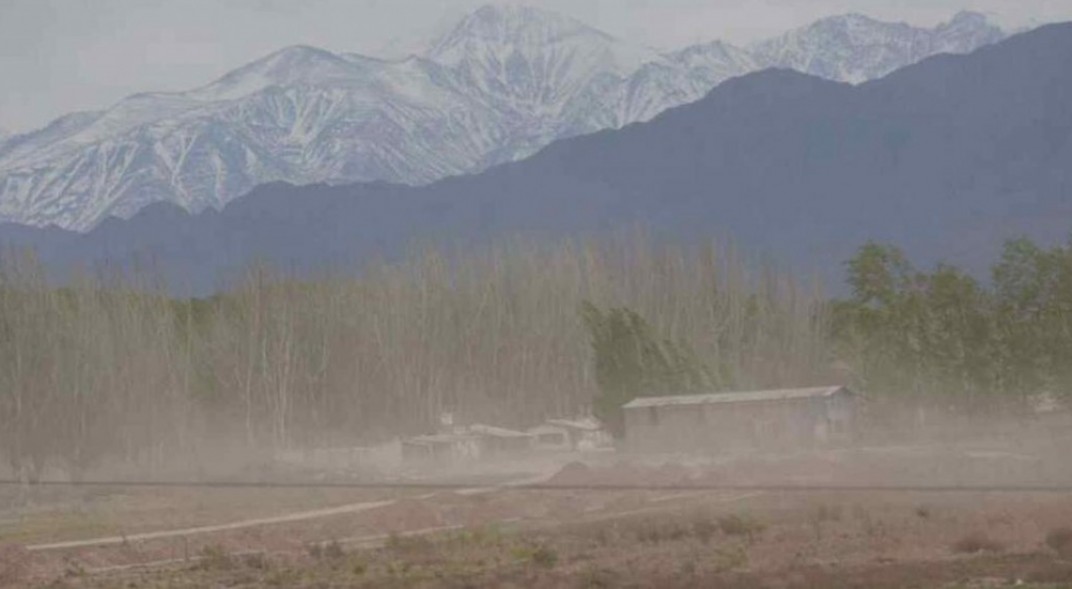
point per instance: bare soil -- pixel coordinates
(621, 538)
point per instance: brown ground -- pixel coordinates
(55, 513)
(610, 538)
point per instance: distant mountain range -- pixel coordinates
(502, 84)
(947, 157)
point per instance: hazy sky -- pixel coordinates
(57, 56)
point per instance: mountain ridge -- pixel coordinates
(919, 158)
(500, 85)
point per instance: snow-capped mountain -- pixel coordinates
(854, 48)
(500, 85)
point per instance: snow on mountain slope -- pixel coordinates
(500, 85)
(854, 48)
(530, 59)
(287, 67)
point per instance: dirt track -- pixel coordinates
(652, 534)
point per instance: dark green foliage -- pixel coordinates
(943, 335)
(631, 362)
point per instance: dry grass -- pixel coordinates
(977, 542)
(642, 539)
(1060, 540)
(633, 552)
(55, 515)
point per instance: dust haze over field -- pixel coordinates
(307, 382)
(138, 380)
(813, 329)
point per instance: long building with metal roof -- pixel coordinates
(717, 422)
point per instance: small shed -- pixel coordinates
(715, 422)
(499, 441)
(585, 433)
(440, 448)
(551, 437)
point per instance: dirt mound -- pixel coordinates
(622, 474)
(573, 473)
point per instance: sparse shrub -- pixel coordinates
(489, 535)
(1060, 540)
(675, 531)
(740, 525)
(874, 528)
(827, 513)
(654, 531)
(821, 515)
(282, 577)
(214, 557)
(604, 535)
(976, 542)
(544, 557)
(408, 545)
(333, 550)
(599, 578)
(71, 568)
(704, 529)
(731, 558)
(326, 550)
(538, 554)
(255, 561)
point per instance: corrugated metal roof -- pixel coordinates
(440, 439)
(547, 429)
(734, 397)
(587, 423)
(498, 432)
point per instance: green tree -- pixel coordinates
(630, 362)
(1033, 290)
(943, 336)
(879, 275)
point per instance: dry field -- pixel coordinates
(501, 537)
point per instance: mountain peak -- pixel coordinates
(848, 17)
(969, 17)
(290, 65)
(508, 25)
(497, 35)
(512, 18)
(855, 47)
(504, 82)
(853, 23)
(970, 23)
(295, 54)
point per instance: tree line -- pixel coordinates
(910, 338)
(943, 336)
(104, 373)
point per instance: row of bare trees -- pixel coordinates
(104, 372)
